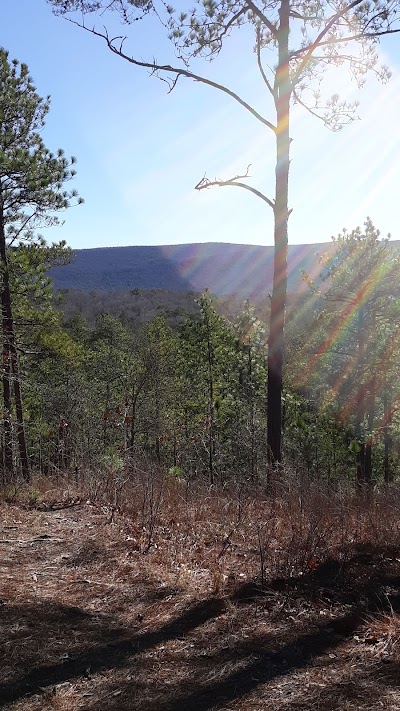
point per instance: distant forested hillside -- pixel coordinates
(135, 284)
(245, 270)
(130, 306)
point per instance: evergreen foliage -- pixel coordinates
(31, 195)
(191, 398)
(347, 363)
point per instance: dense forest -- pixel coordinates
(183, 383)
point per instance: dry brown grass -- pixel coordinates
(137, 592)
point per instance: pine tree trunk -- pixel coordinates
(6, 378)
(10, 355)
(253, 469)
(19, 410)
(281, 215)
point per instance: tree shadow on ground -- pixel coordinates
(104, 646)
(364, 584)
(368, 580)
(268, 666)
(86, 644)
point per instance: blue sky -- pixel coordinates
(141, 151)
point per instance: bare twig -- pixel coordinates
(205, 183)
(167, 68)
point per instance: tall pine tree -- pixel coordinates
(31, 191)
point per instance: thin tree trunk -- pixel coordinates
(7, 425)
(106, 416)
(19, 411)
(281, 215)
(6, 378)
(158, 428)
(252, 418)
(10, 353)
(388, 474)
(359, 436)
(369, 442)
(360, 463)
(210, 358)
(360, 405)
(132, 433)
(175, 458)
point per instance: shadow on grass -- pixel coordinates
(365, 581)
(359, 690)
(107, 647)
(88, 644)
(268, 666)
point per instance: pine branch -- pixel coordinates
(317, 42)
(264, 19)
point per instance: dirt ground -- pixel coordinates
(89, 621)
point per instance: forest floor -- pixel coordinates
(92, 619)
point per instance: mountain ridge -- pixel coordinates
(223, 268)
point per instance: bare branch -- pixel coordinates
(179, 71)
(28, 219)
(174, 83)
(205, 183)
